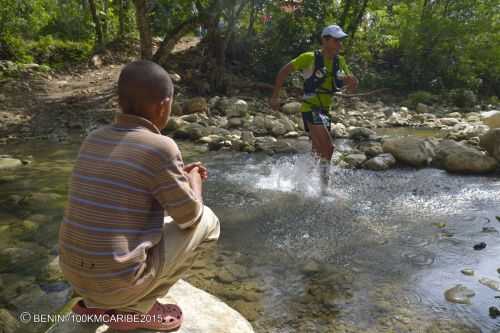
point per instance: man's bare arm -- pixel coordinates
(280, 79)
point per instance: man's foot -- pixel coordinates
(161, 317)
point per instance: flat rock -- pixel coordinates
(493, 284)
(203, 313)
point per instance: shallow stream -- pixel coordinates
(375, 253)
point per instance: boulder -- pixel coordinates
(491, 118)
(339, 130)
(380, 162)
(449, 121)
(417, 152)
(291, 108)
(491, 142)
(238, 108)
(202, 313)
(191, 131)
(370, 148)
(195, 105)
(355, 160)
(9, 163)
(457, 157)
(361, 134)
(174, 123)
(422, 108)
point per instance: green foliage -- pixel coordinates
(462, 97)
(56, 52)
(420, 97)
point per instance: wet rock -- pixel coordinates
(270, 145)
(479, 246)
(493, 284)
(380, 162)
(355, 160)
(491, 143)
(498, 270)
(225, 276)
(456, 157)
(467, 271)
(8, 323)
(410, 150)
(459, 294)
(494, 312)
(7, 163)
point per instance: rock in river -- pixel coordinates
(459, 294)
(493, 284)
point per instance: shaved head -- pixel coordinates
(143, 84)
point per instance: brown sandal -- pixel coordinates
(161, 317)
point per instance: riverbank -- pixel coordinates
(58, 107)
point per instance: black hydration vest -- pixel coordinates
(312, 85)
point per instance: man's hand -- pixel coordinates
(202, 170)
(351, 83)
(275, 103)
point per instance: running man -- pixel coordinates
(325, 72)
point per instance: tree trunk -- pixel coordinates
(253, 14)
(121, 18)
(144, 27)
(105, 25)
(172, 37)
(353, 26)
(345, 13)
(97, 23)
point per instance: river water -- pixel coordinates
(373, 253)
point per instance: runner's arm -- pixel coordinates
(280, 79)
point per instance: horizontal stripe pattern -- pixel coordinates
(126, 179)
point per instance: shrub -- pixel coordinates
(419, 97)
(58, 53)
(462, 97)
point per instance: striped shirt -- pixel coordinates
(126, 179)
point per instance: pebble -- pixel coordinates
(489, 229)
(493, 284)
(480, 246)
(494, 312)
(467, 271)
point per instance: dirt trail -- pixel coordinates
(55, 106)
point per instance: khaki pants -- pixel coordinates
(179, 251)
